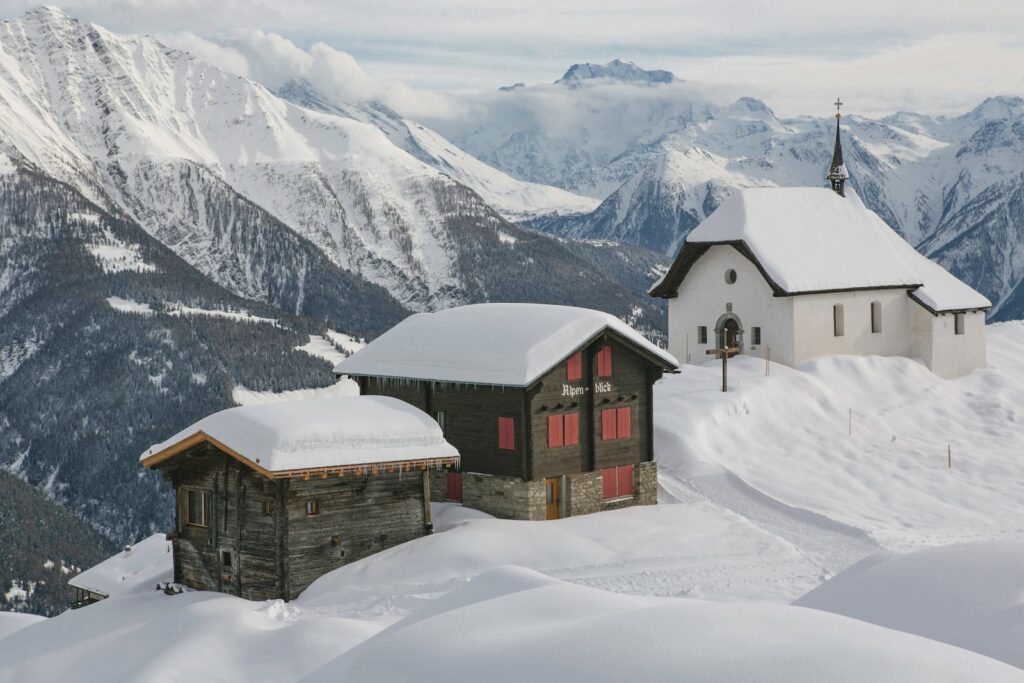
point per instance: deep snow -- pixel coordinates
(766, 500)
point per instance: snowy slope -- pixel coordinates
(970, 595)
(787, 435)
(575, 594)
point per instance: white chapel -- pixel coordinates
(810, 272)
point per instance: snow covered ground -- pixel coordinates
(913, 568)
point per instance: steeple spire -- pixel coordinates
(837, 173)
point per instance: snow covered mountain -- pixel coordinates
(514, 199)
(661, 157)
(218, 168)
(615, 70)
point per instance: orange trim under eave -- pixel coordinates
(202, 437)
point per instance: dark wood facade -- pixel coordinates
(470, 414)
(260, 537)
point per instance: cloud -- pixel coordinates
(273, 60)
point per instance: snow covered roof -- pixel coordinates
(281, 439)
(499, 344)
(148, 563)
(810, 239)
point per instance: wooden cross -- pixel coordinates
(724, 352)
(839, 104)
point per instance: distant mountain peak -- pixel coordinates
(615, 70)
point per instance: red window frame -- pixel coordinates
(563, 430)
(574, 367)
(556, 436)
(572, 429)
(604, 361)
(616, 423)
(506, 433)
(608, 425)
(617, 482)
(623, 423)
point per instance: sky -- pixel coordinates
(881, 56)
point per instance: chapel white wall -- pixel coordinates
(815, 330)
(702, 299)
(955, 355)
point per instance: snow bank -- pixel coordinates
(502, 344)
(247, 397)
(787, 436)
(321, 432)
(970, 595)
(14, 621)
(511, 625)
(159, 638)
(180, 309)
(810, 239)
(139, 569)
(692, 550)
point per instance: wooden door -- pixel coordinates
(553, 498)
(454, 481)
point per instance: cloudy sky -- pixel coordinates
(934, 56)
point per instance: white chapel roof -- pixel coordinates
(316, 433)
(809, 239)
(499, 344)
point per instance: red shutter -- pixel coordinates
(506, 433)
(625, 480)
(609, 482)
(622, 423)
(572, 429)
(604, 362)
(574, 368)
(608, 424)
(455, 486)
(555, 431)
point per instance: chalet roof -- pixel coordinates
(807, 240)
(147, 563)
(279, 439)
(496, 344)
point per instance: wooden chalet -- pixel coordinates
(270, 497)
(549, 406)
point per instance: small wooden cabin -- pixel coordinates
(272, 496)
(549, 406)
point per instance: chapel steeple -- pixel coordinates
(837, 173)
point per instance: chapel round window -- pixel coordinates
(730, 276)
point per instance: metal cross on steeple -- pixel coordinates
(837, 174)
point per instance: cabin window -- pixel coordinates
(225, 559)
(312, 508)
(572, 429)
(616, 423)
(876, 317)
(617, 482)
(958, 322)
(730, 277)
(563, 430)
(268, 508)
(556, 436)
(702, 334)
(604, 361)
(507, 433)
(195, 507)
(574, 367)
(838, 323)
(442, 420)
(755, 335)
